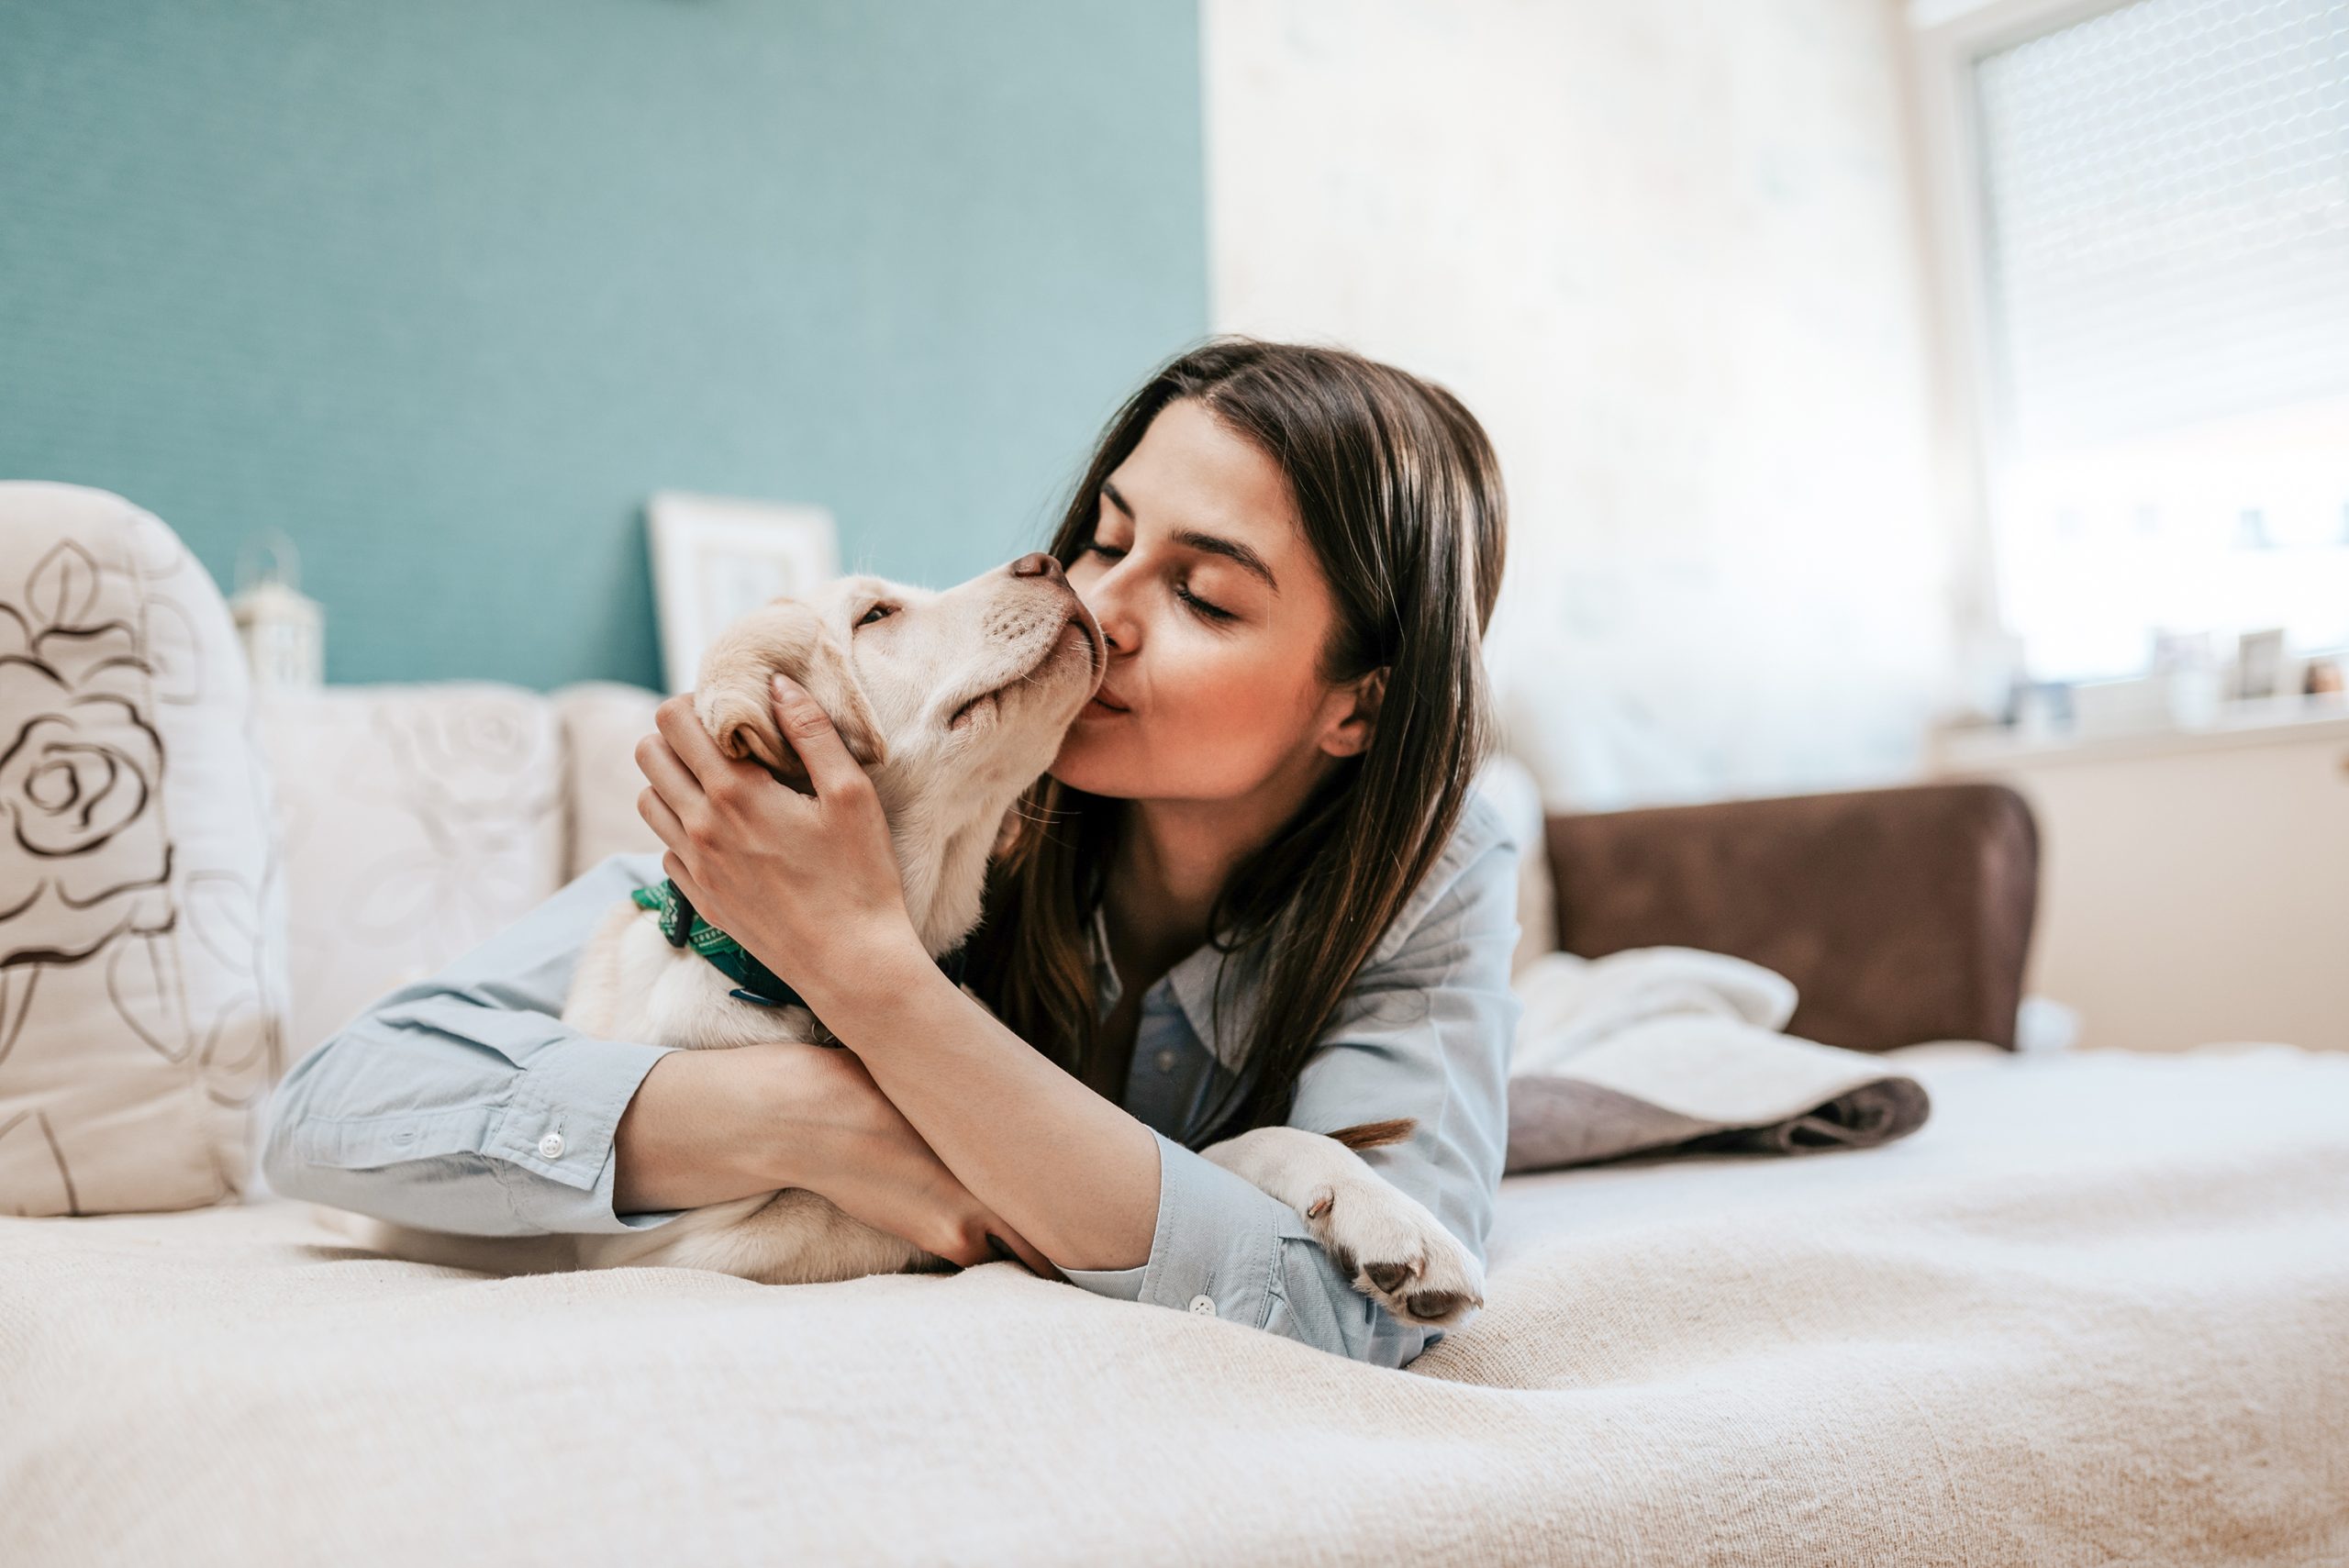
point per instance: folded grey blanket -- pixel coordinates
(1661, 1049)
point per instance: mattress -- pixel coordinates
(2096, 1310)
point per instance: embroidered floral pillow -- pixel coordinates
(141, 943)
(416, 821)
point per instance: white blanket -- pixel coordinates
(2097, 1311)
(1654, 1048)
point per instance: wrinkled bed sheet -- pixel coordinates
(2096, 1310)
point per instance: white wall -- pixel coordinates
(1666, 249)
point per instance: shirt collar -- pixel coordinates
(1193, 980)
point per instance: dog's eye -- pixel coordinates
(876, 613)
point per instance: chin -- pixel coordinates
(1080, 772)
(1085, 762)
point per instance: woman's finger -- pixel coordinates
(664, 822)
(663, 768)
(810, 729)
(683, 879)
(681, 728)
(1008, 1243)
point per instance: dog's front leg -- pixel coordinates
(598, 996)
(1398, 1254)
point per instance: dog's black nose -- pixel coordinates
(1037, 564)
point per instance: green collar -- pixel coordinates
(753, 981)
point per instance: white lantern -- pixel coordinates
(283, 633)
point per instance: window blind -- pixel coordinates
(2167, 194)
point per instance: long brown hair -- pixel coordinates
(1400, 494)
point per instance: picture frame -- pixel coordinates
(716, 558)
(2260, 664)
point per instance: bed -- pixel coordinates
(2095, 1311)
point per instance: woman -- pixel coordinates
(1256, 887)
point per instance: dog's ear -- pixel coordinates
(736, 697)
(828, 678)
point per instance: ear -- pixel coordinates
(736, 697)
(1353, 708)
(832, 681)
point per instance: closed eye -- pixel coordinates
(1200, 607)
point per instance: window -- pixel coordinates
(2162, 227)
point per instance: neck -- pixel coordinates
(1174, 858)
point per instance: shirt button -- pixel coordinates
(1166, 1061)
(1204, 1306)
(551, 1146)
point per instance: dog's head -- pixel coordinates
(954, 701)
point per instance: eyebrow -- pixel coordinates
(1206, 544)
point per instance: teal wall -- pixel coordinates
(445, 288)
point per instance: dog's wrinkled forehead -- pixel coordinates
(898, 659)
(829, 613)
(844, 601)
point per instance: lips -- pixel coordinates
(1097, 656)
(1108, 699)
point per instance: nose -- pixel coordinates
(1037, 564)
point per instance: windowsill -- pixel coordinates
(2275, 722)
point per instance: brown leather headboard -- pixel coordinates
(1900, 914)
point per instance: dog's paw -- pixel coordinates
(1398, 1254)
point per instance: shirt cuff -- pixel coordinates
(555, 1141)
(1223, 1244)
(1217, 1243)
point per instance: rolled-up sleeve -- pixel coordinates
(1423, 1032)
(463, 1103)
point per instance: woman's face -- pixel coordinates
(1215, 610)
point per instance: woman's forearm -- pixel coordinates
(711, 1126)
(1074, 1174)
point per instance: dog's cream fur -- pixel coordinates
(953, 702)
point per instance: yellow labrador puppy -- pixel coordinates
(953, 702)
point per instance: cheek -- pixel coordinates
(1222, 715)
(1224, 710)
(1231, 704)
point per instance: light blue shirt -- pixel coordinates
(462, 1102)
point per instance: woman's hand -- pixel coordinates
(709, 1127)
(878, 1170)
(807, 883)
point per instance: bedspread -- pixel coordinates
(2095, 1311)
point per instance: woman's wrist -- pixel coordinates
(865, 975)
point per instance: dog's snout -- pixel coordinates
(1037, 564)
